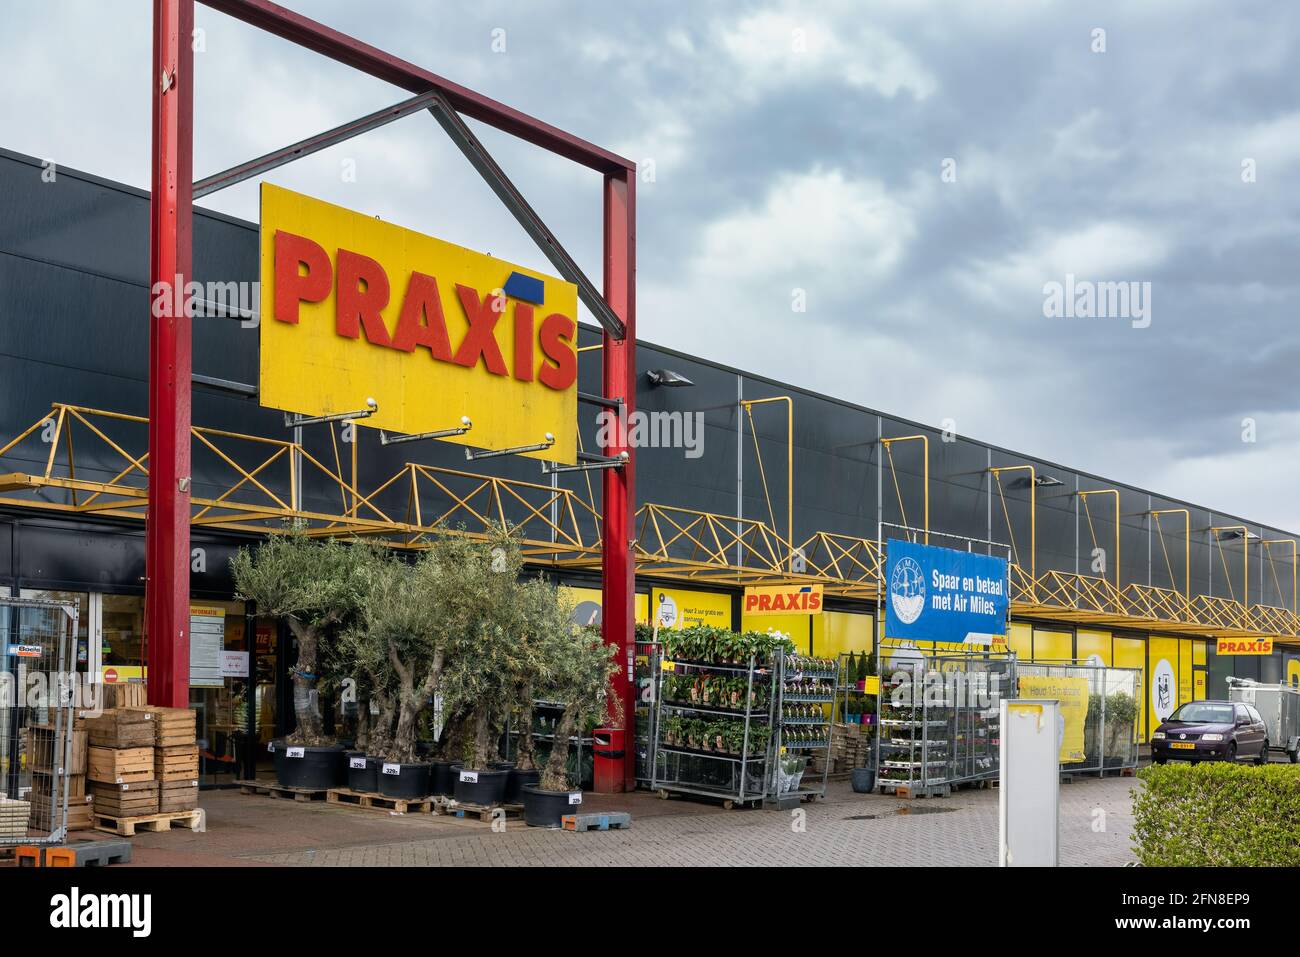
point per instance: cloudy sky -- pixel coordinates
(919, 169)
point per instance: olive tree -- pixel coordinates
(317, 585)
(580, 666)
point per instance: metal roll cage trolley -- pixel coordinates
(173, 190)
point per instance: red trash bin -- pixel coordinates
(609, 755)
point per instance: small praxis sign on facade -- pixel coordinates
(355, 308)
(1244, 646)
(783, 599)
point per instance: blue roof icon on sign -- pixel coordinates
(525, 288)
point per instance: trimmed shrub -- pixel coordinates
(1217, 815)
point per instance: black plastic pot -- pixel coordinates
(863, 780)
(442, 779)
(546, 808)
(364, 777)
(516, 782)
(487, 787)
(315, 768)
(410, 781)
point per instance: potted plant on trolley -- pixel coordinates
(316, 585)
(579, 668)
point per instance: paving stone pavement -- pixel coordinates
(845, 829)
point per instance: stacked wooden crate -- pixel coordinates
(47, 766)
(121, 762)
(176, 759)
(851, 747)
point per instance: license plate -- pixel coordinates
(1183, 745)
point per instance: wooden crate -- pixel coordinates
(178, 795)
(173, 726)
(177, 763)
(41, 747)
(125, 800)
(43, 784)
(122, 728)
(120, 765)
(79, 812)
(127, 694)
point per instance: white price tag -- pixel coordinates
(575, 797)
(469, 777)
(270, 746)
(357, 763)
(391, 768)
(293, 752)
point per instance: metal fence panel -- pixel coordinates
(37, 696)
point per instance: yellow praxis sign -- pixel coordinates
(1244, 646)
(796, 599)
(354, 308)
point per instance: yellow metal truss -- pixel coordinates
(87, 462)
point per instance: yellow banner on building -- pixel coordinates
(1244, 646)
(1071, 694)
(354, 308)
(680, 608)
(783, 600)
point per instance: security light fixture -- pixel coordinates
(1040, 481)
(589, 462)
(473, 456)
(291, 421)
(1231, 533)
(465, 426)
(668, 378)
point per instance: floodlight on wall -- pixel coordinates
(291, 421)
(589, 462)
(473, 456)
(1039, 481)
(1230, 532)
(668, 378)
(465, 426)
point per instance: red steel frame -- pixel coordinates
(167, 559)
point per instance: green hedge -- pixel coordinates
(1217, 815)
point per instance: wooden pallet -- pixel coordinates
(916, 790)
(453, 808)
(279, 791)
(127, 826)
(616, 820)
(378, 802)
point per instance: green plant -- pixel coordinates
(1217, 815)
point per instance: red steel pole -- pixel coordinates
(167, 528)
(618, 561)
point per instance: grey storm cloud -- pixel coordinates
(800, 146)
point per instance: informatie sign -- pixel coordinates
(207, 640)
(940, 594)
(354, 308)
(1244, 646)
(1071, 694)
(794, 599)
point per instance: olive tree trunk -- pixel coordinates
(310, 728)
(555, 776)
(525, 756)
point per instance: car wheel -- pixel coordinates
(1232, 753)
(1159, 760)
(1263, 753)
(1294, 756)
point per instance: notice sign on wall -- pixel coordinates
(940, 594)
(207, 640)
(1072, 715)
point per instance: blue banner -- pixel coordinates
(940, 594)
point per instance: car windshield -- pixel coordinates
(1205, 713)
